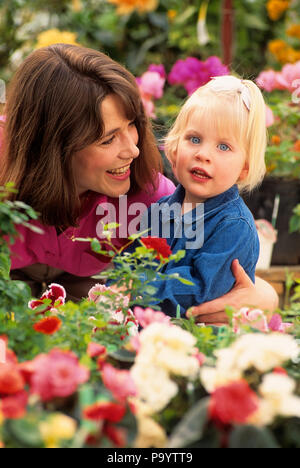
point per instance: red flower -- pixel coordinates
(14, 406)
(48, 325)
(57, 374)
(55, 293)
(233, 403)
(11, 380)
(117, 435)
(159, 245)
(107, 410)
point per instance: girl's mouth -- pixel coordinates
(200, 174)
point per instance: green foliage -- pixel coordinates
(14, 295)
(191, 427)
(282, 159)
(295, 220)
(252, 437)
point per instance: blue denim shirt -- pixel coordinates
(228, 232)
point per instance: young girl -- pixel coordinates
(216, 148)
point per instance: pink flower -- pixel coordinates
(270, 80)
(57, 295)
(147, 316)
(119, 382)
(151, 84)
(276, 324)
(270, 119)
(193, 73)
(95, 293)
(95, 350)
(199, 356)
(149, 107)
(289, 74)
(57, 374)
(254, 318)
(160, 69)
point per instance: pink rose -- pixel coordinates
(119, 382)
(57, 374)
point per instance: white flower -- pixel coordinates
(164, 350)
(264, 352)
(278, 390)
(154, 386)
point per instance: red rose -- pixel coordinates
(233, 403)
(158, 244)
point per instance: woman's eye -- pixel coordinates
(107, 142)
(224, 147)
(195, 140)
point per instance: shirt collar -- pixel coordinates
(210, 204)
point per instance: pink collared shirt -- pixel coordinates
(77, 258)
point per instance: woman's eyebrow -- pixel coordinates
(110, 132)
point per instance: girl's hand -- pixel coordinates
(261, 294)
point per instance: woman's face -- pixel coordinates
(104, 166)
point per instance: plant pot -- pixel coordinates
(261, 202)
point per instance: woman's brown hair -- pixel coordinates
(52, 111)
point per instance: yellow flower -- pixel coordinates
(54, 36)
(294, 31)
(125, 7)
(57, 427)
(283, 52)
(276, 8)
(76, 5)
(171, 14)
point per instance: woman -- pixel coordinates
(76, 138)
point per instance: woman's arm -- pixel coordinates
(261, 294)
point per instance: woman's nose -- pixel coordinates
(130, 149)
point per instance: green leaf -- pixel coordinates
(252, 437)
(25, 432)
(123, 355)
(191, 427)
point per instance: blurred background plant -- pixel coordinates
(174, 46)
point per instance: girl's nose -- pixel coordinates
(203, 155)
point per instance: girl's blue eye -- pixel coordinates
(224, 147)
(195, 140)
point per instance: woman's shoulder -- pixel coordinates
(164, 187)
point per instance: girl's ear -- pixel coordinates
(244, 173)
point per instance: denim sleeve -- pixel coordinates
(211, 268)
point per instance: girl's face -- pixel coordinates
(104, 167)
(207, 163)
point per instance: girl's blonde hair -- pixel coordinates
(238, 110)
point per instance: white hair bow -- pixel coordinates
(231, 83)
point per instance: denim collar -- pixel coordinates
(210, 205)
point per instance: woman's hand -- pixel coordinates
(261, 294)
